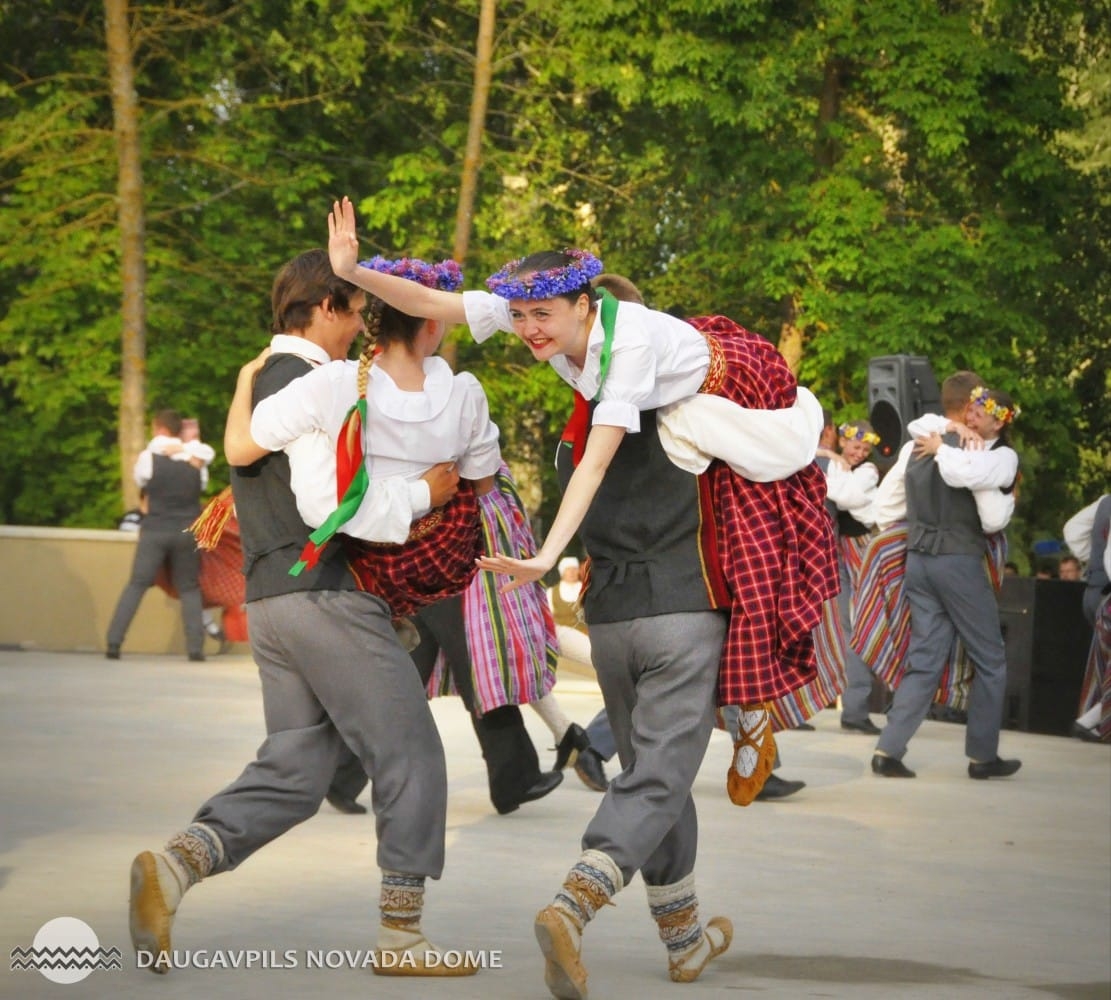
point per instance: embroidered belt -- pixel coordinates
(422, 528)
(715, 374)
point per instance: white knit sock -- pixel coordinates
(549, 710)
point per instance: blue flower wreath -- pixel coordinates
(445, 276)
(508, 283)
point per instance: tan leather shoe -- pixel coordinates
(563, 971)
(155, 895)
(718, 935)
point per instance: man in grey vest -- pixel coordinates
(949, 593)
(333, 672)
(172, 480)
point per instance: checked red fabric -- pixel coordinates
(775, 540)
(437, 560)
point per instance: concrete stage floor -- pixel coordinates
(856, 887)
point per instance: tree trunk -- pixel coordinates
(468, 182)
(792, 344)
(132, 428)
(790, 336)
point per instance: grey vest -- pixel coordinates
(941, 520)
(271, 530)
(173, 495)
(642, 534)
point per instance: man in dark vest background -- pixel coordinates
(171, 479)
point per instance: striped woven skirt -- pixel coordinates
(511, 637)
(881, 615)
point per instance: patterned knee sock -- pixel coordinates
(193, 854)
(674, 907)
(400, 904)
(593, 881)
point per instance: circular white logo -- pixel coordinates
(67, 950)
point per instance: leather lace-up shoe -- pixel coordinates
(997, 768)
(547, 782)
(590, 769)
(889, 767)
(865, 726)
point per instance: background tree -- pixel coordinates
(850, 179)
(129, 173)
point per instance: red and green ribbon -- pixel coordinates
(352, 482)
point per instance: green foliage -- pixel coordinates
(906, 177)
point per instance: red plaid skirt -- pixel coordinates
(437, 560)
(775, 541)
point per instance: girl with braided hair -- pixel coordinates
(413, 412)
(673, 556)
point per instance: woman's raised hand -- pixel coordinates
(343, 244)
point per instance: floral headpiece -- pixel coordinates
(854, 433)
(445, 276)
(508, 283)
(981, 396)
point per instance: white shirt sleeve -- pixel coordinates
(486, 314)
(854, 490)
(199, 450)
(388, 510)
(628, 388)
(927, 424)
(483, 454)
(761, 445)
(977, 470)
(891, 495)
(995, 509)
(144, 468)
(1078, 532)
(304, 405)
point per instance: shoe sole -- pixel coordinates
(994, 774)
(149, 918)
(563, 972)
(594, 786)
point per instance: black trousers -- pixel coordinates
(512, 766)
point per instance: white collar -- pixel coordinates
(412, 407)
(290, 343)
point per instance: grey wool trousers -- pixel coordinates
(334, 673)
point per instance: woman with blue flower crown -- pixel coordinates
(765, 537)
(413, 412)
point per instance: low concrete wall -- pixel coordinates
(59, 587)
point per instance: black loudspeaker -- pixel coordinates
(900, 388)
(1047, 639)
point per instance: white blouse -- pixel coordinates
(406, 433)
(656, 359)
(968, 469)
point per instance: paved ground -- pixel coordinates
(856, 887)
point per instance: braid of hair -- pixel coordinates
(366, 355)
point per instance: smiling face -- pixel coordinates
(976, 418)
(854, 452)
(550, 327)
